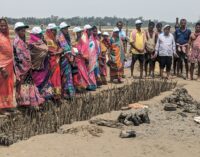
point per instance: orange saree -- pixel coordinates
(6, 65)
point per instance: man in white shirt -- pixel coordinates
(166, 47)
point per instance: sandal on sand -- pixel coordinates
(127, 134)
(170, 107)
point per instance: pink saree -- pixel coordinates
(81, 79)
(89, 50)
(27, 93)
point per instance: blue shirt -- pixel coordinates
(122, 35)
(182, 37)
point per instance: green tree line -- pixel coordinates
(80, 21)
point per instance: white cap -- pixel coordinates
(105, 33)
(116, 29)
(75, 49)
(87, 27)
(166, 26)
(77, 29)
(138, 22)
(36, 30)
(52, 26)
(64, 25)
(99, 33)
(20, 25)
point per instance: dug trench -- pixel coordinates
(30, 123)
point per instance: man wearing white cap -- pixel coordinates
(137, 42)
(67, 67)
(167, 48)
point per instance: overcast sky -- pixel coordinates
(166, 10)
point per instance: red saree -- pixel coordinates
(54, 62)
(6, 63)
(81, 79)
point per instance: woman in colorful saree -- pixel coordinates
(6, 69)
(55, 52)
(80, 78)
(89, 50)
(39, 58)
(105, 46)
(115, 61)
(27, 93)
(68, 89)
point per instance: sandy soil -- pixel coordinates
(168, 135)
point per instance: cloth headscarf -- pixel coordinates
(7, 32)
(39, 52)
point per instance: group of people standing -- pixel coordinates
(166, 48)
(55, 64)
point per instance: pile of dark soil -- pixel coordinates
(180, 98)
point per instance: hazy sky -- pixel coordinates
(149, 9)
